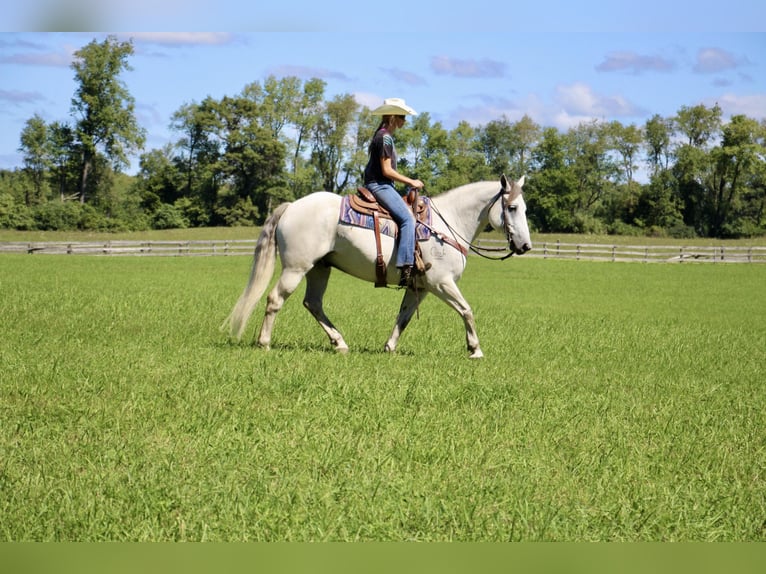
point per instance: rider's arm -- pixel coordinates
(390, 173)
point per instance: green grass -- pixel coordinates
(615, 402)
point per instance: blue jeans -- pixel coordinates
(389, 198)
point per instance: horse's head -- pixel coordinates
(509, 215)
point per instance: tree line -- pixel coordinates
(237, 157)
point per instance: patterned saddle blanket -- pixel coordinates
(351, 216)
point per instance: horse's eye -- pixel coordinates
(512, 208)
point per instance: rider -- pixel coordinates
(380, 175)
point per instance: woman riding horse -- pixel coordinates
(380, 175)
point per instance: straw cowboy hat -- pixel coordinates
(393, 107)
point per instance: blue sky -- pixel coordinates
(477, 62)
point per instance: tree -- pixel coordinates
(252, 161)
(159, 179)
(736, 160)
(283, 104)
(698, 123)
(524, 135)
(62, 154)
(626, 141)
(657, 132)
(423, 150)
(494, 140)
(507, 146)
(588, 158)
(199, 149)
(695, 168)
(333, 142)
(34, 138)
(305, 117)
(552, 190)
(465, 161)
(103, 107)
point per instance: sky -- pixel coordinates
(475, 62)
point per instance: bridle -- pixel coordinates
(477, 249)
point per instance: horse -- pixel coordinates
(311, 240)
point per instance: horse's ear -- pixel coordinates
(521, 181)
(504, 183)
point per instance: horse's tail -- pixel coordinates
(264, 260)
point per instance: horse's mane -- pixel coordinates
(463, 194)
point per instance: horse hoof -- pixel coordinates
(477, 354)
(341, 350)
(389, 349)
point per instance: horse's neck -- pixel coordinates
(466, 208)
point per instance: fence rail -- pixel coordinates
(644, 253)
(144, 248)
(545, 250)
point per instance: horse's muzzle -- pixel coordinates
(523, 249)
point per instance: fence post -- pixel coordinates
(545, 250)
(681, 254)
(722, 254)
(614, 248)
(558, 247)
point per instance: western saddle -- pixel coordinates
(364, 202)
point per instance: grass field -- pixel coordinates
(615, 402)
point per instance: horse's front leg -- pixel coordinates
(450, 294)
(410, 303)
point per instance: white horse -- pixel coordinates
(311, 241)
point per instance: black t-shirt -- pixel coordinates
(382, 146)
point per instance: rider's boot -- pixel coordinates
(406, 276)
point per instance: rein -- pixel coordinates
(475, 248)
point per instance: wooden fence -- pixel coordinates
(545, 250)
(644, 253)
(144, 248)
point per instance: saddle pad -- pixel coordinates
(350, 216)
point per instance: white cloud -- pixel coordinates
(485, 68)
(634, 63)
(579, 99)
(306, 72)
(367, 99)
(403, 76)
(16, 97)
(49, 59)
(181, 38)
(564, 121)
(752, 106)
(715, 60)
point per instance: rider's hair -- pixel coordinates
(384, 121)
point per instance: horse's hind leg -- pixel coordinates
(316, 284)
(409, 305)
(288, 282)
